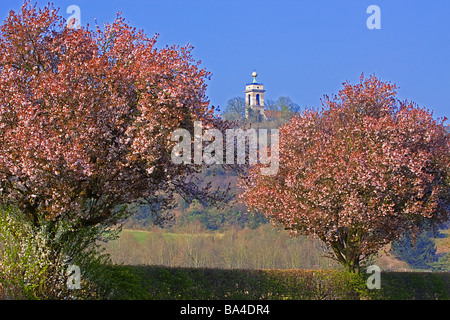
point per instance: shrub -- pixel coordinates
(165, 283)
(243, 284)
(34, 262)
(26, 269)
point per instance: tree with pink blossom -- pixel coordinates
(358, 173)
(86, 117)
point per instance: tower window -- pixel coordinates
(257, 99)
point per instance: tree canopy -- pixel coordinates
(86, 116)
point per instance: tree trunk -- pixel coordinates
(349, 258)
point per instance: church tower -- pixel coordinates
(254, 99)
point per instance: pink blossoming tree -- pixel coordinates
(86, 118)
(357, 173)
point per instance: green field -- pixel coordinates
(234, 248)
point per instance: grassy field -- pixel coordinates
(193, 246)
(263, 247)
(443, 244)
(193, 263)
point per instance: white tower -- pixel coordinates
(254, 98)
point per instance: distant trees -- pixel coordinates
(357, 174)
(283, 103)
(213, 218)
(235, 109)
(418, 251)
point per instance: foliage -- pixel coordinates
(358, 173)
(33, 267)
(24, 260)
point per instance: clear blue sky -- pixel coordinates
(301, 49)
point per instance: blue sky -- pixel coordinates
(300, 49)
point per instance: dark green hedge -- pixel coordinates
(415, 285)
(153, 282)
